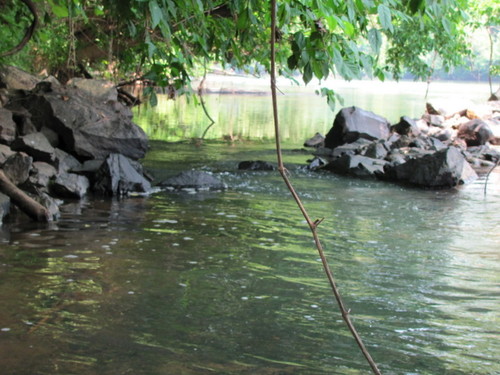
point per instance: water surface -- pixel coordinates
(230, 282)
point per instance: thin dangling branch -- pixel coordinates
(202, 101)
(488, 176)
(313, 225)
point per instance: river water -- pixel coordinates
(230, 282)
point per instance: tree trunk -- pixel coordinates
(25, 203)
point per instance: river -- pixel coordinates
(230, 282)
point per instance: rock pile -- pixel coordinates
(441, 150)
(63, 142)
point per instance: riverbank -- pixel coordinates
(64, 142)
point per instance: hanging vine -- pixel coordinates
(313, 225)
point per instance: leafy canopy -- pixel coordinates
(167, 40)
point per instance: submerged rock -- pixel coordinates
(197, 180)
(256, 165)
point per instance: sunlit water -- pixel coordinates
(230, 282)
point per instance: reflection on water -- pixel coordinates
(230, 283)
(302, 112)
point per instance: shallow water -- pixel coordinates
(230, 282)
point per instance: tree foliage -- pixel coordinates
(166, 40)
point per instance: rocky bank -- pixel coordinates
(442, 149)
(63, 142)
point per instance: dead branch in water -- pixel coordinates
(25, 203)
(313, 225)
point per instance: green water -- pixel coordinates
(230, 282)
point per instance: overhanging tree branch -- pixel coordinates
(29, 31)
(313, 225)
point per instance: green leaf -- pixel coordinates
(151, 48)
(153, 99)
(338, 60)
(348, 28)
(308, 73)
(317, 69)
(446, 25)
(172, 9)
(375, 40)
(132, 29)
(325, 67)
(242, 22)
(331, 22)
(165, 31)
(300, 40)
(385, 18)
(292, 62)
(284, 14)
(331, 97)
(60, 11)
(415, 5)
(156, 13)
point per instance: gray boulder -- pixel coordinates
(17, 167)
(353, 123)
(69, 185)
(5, 152)
(22, 118)
(88, 168)
(36, 145)
(318, 140)
(441, 169)
(357, 165)
(40, 177)
(87, 128)
(475, 132)
(51, 204)
(316, 163)
(406, 126)
(118, 175)
(353, 148)
(376, 150)
(427, 143)
(197, 180)
(16, 79)
(51, 136)
(98, 90)
(65, 162)
(7, 126)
